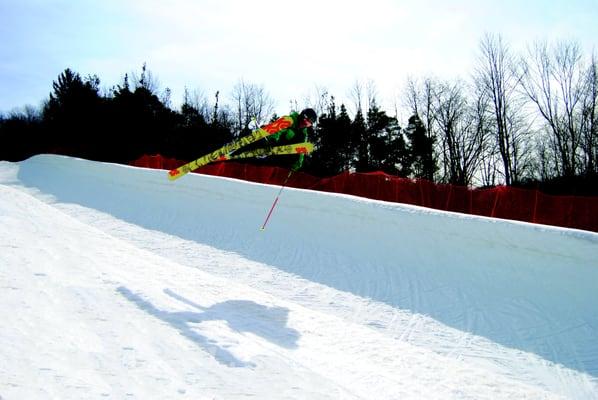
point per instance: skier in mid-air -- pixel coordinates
(298, 132)
(286, 135)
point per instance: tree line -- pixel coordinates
(519, 119)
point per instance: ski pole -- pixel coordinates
(276, 200)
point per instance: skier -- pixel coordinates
(288, 130)
(298, 132)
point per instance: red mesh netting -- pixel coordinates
(500, 202)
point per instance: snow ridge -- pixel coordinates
(130, 275)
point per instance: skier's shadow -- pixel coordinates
(240, 315)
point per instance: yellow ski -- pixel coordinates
(297, 148)
(267, 130)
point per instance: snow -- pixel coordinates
(117, 283)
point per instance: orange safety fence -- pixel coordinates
(499, 202)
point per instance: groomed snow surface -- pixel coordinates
(117, 283)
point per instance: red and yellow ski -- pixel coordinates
(267, 130)
(297, 148)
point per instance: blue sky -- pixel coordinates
(291, 48)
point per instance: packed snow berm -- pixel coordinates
(118, 283)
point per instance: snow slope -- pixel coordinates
(115, 282)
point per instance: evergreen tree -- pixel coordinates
(186, 141)
(332, 142)
(21, 135)
(421, 149)
(345, 149)
(359, 143)
(322, 159)
(73, 115)
(141, 121)
(388, 151)
(221, 124)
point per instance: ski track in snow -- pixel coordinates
(96, 306)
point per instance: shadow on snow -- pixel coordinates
(240, 315)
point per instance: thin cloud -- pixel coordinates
(287, 46)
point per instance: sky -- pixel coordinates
(294, 50)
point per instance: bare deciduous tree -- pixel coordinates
(461, 132)
(252, 103)
(554, 81)
(318, 99)
(488, 161)
(199, 101)
(146, 80)
(356, 95)
(589, 119)
(364, 95)
(420, 99)
(496, 75)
